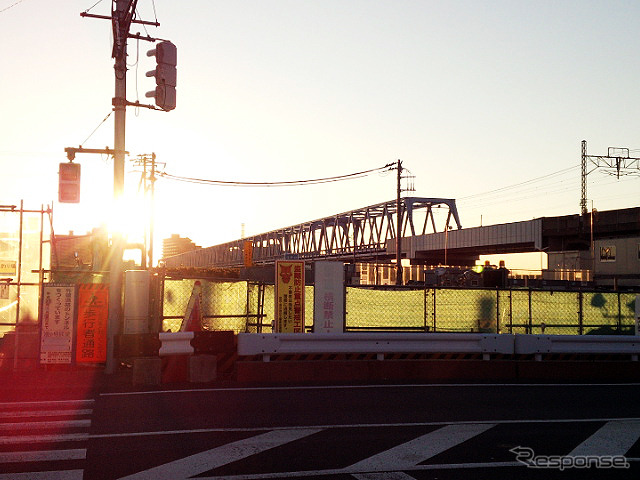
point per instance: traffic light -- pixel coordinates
(69, 183)
(165, 75)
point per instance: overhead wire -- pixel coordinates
(93, 6)
(533, 180)
(292, 183)
(11, 6)
(95, 129)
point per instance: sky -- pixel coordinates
(486, 102)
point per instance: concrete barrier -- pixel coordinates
(176, 343)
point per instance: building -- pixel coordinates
(176, 245)
(83, 252)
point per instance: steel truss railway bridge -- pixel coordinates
(365, 234)
(431, 235)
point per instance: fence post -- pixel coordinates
(424, 308)
(619, 315)
(580, 314)
(530, 327)
(510, 310)
(435, 322)
(497, 309)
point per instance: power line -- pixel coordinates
(11, 6)
(292, 183)
(537, 179)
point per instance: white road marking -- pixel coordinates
(360, 387)
(201, 462)
(51, 475)
(348, 470)
(43, 455)
(357, 425)
(383, 476)
(63, 437)
(22, 426)
(418, 450)
(614, 438)
(47, 404)
(45, 413)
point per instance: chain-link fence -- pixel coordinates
(244, 306)
(240, 306)
(489, 310)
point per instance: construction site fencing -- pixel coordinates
(239, 306)
(524, 311)
(243, 306)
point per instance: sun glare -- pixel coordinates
(128, 216)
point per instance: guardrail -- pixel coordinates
(577, 344)
(250, 344)
(379, 343)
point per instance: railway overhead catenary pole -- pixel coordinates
(616, 162)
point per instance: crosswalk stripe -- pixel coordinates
(231, 452)
(43, 455)
(613, 438)
(62, 437)
(45, 413)
(420, 449)
(34, 415)
(44, 425)
(50, 475)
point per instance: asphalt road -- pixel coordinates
(379, 432)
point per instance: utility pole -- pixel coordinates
(122, 16)
(399, 227)
(149, 170)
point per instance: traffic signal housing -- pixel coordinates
(165, 74)
(69, 182)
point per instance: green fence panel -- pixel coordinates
(369, 309)
(466, 310)
(555, 313)
(520, 312)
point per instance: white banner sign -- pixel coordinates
(328, 297)
(56, 323)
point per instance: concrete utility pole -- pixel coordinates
(149, 170)
(399, 227)
(121, 17)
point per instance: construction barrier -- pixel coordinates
(137, 345)
(176, 343)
